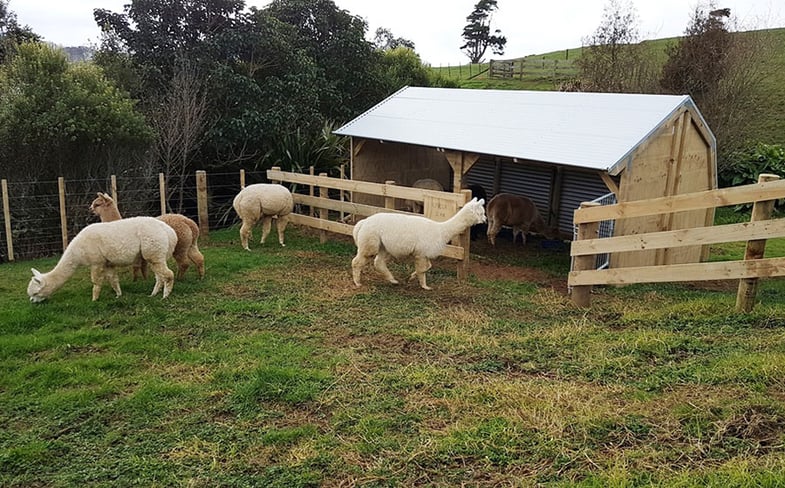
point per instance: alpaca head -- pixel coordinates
(475, 210)
(37, 289)
(101, 203)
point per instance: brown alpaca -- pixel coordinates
(187, 231)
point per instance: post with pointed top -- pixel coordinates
(162, 192)
(7, 217)
(748, 287)
(324, 214)
(63, 217)
(113, 184)
(201, 202)
(581, 295)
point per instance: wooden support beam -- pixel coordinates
(581, 295)
(460, 162)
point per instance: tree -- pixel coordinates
(385, 40)
(11, 33)
(477, 33)
(723, 72)
(59, 119)
(613, 60)
(180, 123)
(335, 40)
(158, 34)
(402, 67)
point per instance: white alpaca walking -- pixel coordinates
(106, 245)
(383, 235)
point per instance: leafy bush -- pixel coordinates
(744, 166)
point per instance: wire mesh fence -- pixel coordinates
(39, 218)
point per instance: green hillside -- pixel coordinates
(769, 122)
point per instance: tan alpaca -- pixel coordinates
(187, 232)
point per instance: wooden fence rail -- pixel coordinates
(768, 189)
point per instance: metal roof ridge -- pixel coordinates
(369, 111)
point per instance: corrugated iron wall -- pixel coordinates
(536, 181)
(577, 187)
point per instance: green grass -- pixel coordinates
(276, 371)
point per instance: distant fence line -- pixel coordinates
(517, 68)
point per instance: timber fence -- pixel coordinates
(748, 271)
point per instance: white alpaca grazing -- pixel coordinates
(105, 246)
(263, 201)
(383, 235)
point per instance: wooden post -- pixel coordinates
(201, 202)
(63, 219)
(310, 191)
(113, 183)
(748, 287)
(323, 212)
(162, 192)
(7, 217)
(242, 179)
(389, 202)
(581, 295)
(341, 198)
(464, 241)
(276, 168)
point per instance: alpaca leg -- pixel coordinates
(196, 257)
(493, 229)
(140, 269)
(114, 280)
(267, 224)
(421, 266)
(181, 258)
(281, 225)
(246, 233)
(97, 277)
(358, 263)
(163, 275)
(380, 263)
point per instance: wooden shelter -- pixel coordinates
(558, 148)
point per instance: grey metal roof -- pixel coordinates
(589, 130)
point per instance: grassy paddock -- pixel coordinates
(275, 371)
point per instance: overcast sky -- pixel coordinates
(435, 26)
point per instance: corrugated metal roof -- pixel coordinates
(590, 130)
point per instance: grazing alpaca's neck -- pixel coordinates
(64, 269)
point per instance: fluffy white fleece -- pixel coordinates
(263, 201)
(187, 232)
(106, 245)
(386, 235)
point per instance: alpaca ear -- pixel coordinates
(36, 273)
(482, 201)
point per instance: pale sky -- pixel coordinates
(435, 26)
